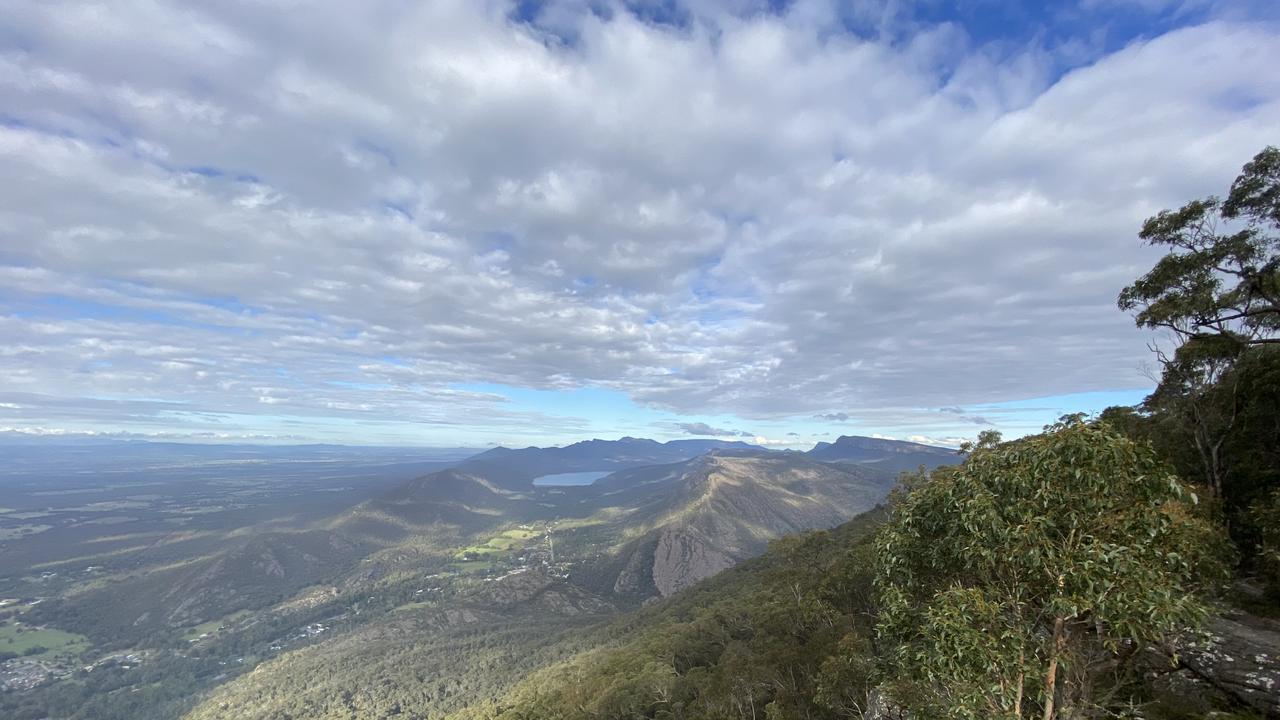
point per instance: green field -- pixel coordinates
(18, 639)
(506, 541)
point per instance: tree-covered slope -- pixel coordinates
(784, 635)
(421, 659)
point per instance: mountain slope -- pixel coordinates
(263, 569)
(685, 522)
(786, 634)
(530, 646)
(420, 660)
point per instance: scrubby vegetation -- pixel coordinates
(1023, 582)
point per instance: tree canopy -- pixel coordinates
(1016, 585)
(1219, 285)
(1214, 412)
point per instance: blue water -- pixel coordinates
(575, 478)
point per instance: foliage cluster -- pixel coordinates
(1021, 583)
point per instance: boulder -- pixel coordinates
(1239, 655)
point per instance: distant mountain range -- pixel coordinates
(508, 465)
(889, 455)
(518, 467)
(515, 468)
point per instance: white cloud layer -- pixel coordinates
(346, 210)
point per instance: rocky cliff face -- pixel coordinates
(1240, 658)
(712, 512)
(684, 557)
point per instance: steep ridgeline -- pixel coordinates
(892, 456)
(680, 523)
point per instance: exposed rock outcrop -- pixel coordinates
(1241, 657)
(682, 558)
(692, 520)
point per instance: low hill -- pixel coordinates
(464, 498)
(263, 569)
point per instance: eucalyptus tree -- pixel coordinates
(1217, 292)
(1020, 583)
(1219, 283)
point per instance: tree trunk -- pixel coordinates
(1022, 682)
(1051, 675)
(1017, 701)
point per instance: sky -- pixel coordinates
(479, 222)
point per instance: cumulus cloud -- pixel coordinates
(703, 429)
(949, 442)
(750, 213)
(964, 416)
(36, 432)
